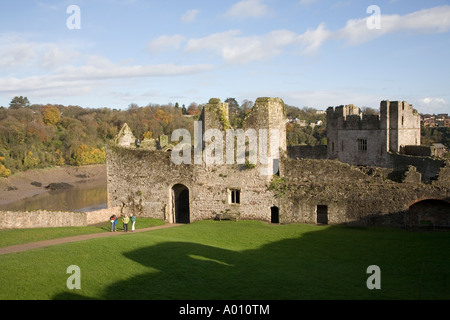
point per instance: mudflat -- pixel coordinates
(33, 182)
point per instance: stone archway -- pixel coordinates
(180, 201)
(429, 212)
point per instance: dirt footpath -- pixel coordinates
(30, 183)
(47, 243)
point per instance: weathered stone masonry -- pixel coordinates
(367, 139)
(148, 183)
(144, 180)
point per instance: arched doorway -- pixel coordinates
(429, 212)
(180, 200)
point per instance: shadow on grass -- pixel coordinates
(327, 264)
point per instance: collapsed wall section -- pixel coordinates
(352, 195)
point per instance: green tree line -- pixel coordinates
(431, 135)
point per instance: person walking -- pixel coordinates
(133, 221)
(125, 221)
(115, 223)
(113, 220)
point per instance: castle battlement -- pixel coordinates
(365, 139)
(350, 117)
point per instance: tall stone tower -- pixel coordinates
(268, 116)
(215, 115)
(401, 123)
(365, 139)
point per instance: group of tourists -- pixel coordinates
(125, 220)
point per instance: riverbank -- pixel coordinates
(33, 182)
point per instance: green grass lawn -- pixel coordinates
(11, 237)
(247, 260)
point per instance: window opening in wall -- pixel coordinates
(362, 144)
(403, 120)
(332, 147)
(276, 167)
(235, 196)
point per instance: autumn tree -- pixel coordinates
(193, 109)
(84, 155)
(51, 115)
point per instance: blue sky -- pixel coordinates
(314, 53)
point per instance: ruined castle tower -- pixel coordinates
(268, 116)
(401, 123)
(362, 139)
(264, 132)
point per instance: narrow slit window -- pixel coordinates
(235, 196)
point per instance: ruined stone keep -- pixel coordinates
(368, 139)
(382, 187)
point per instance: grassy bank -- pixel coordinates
(237, 260)
(20, 236)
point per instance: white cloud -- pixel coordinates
(190, 15)
(72, 75)
(55, 56)
(214, 42)
(248, 9)
(92, 72)
(164, 43)
(18, 53)
(14, 51)
(432, 105)
(433, 100)
(78, 81)
(57, 68)
(433, 20)
(312, 39)
(234, 48)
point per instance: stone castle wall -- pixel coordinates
(351, 194)
(52, 219)
(146, 182)
(143, 181)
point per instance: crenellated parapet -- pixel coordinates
(367, 139)
(349, 117)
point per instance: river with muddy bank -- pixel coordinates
(56, 189)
